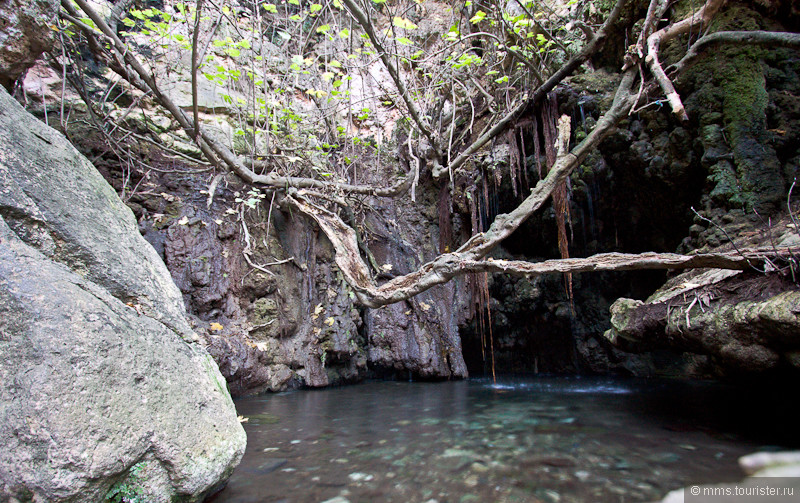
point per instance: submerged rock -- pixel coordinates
(103, 390)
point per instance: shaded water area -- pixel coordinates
(549, 439)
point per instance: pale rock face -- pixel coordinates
(24, 34)
(101, 385)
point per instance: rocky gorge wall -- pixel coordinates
(282, 316)
(275, 312)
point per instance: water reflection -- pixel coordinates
(527, 440)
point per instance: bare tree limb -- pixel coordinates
(570, 66)
(629, 262)
(447, 266)
(419, 119)
(763, 38)
(654, 41)
(195, 66)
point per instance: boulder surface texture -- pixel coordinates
(25, 32)
(104, 393)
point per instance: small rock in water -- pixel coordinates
(552, 495)
(337, 499)
(582, 475)
(360, 477)
(479, 467)
(471, 481)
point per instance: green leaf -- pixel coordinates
(478, 17)
(324, 28)
(233, 52)
(315, 8)
(404, 41)
(270, 8)
(502, 79)
(344, 33)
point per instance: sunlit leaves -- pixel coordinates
(478, 17)
(403, 23)
(467, 59)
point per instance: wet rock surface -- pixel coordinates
(271, 305)
(734, 157)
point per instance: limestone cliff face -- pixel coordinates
(278, 314)
(102, 384)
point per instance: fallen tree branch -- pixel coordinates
(631, 262)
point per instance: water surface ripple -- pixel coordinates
(520, 440)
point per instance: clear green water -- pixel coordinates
(525, 440)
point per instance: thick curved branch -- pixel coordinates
(762, 38)
(447, 266)
(654, 41)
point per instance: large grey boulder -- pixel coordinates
(101, 386)
(25, 32)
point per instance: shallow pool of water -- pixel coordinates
(528, 440)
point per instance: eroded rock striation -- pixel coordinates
(103, 385)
